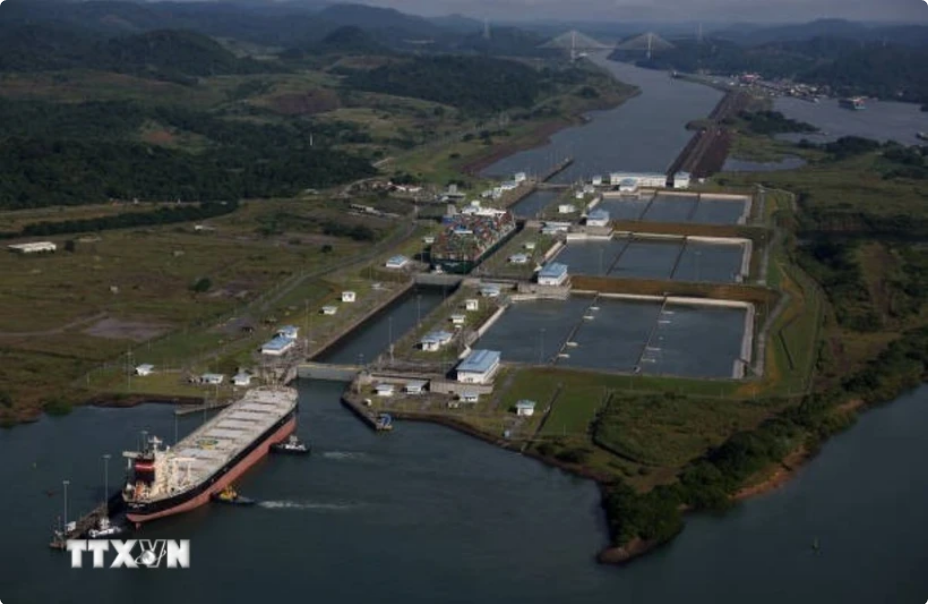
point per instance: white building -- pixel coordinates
(470, 397)
(655, 180)
(471, 304)
(384, 389)
(525, 408)
(489, 291)
(479, 367)
(597, 181)
(279, 346)
(397, 262)
(519, 177)
(241, 379)
(681, 180)
(435, 340)
(628, 185)
(457, 319)
(349, 297)
(144, 369)
(33, 248)
(597, 218)
(212, 379)
(416, 387)
(530, 245)
(428, 240)
(329, 309)
(553, 274)
(518, 259)
(290, 332)
(567, 208)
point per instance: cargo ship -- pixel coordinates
(173, 480)
(856, 103)
(469, 237)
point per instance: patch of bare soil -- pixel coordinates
(116, 329)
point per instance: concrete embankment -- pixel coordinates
(737, 292)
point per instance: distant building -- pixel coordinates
(384, 389)
(519, 177)
(397, 262)
(479, 367)
(597, 181)
(525, 408)
(471, 304)
(435, 340)
(530, 245)
(279, 346)
(457, 319)
(349, 296)
(656, 180)
(144, 369)
(518, 259)
(470, 397)
(681, 180)
(567, 208)
(416, 387)
(553, 274)
(33, 248)
(329, 310)
(428, 239)
(290, 332)
(241, 379)
(597, 218)
(212, 379)
(489, 291)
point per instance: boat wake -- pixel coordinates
(308, 505)
(344, 455)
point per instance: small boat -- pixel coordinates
(291, 446)
(922, 136)
(104, 529)
(230, 496)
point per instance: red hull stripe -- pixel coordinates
(259, 452)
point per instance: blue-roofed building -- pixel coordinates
(553, 274)
(434, 340)
(291, 332)
(480, 367)
(597, 218)
(279, 346)
(397, 262)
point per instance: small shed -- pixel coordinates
(289, 332)
(525, 408)
(397, 262)
(241, 379)
(489, 291)
(518, 259)
(470, 397)
(212, 379)
(329, 310)
(457, 319)
(415, 387)
(349, 296)
(144, 369)
(471, 304)
(530, 245)
(384, 389)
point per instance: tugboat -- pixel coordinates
(291, 446)
(104, 528)
(230, 496)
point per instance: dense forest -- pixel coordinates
(845, 66)
(478, 84)
(69, 154)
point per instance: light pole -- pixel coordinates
(64, 523)
(106, 482)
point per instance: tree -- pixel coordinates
(202, 285)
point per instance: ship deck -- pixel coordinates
(218, 441)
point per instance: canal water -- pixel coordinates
(654, 259)
(533, 203)
(646, 133)
(881, 120)
(628, 336)
(664, 207)
(428, 515)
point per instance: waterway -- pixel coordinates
(428, 515)
(881, 120)
(646, 133)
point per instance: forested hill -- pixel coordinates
(166, 54)
(886, 70)
(477, 84)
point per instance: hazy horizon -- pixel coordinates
(719, 11)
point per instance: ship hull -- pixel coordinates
(202, 493)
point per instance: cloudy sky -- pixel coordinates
(915, 11)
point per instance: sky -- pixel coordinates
(915, 11)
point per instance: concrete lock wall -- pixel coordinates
(331, 373)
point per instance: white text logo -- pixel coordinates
(131, 553)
